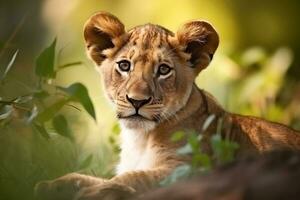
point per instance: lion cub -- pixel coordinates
(149, 75)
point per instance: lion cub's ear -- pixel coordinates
(200, 40)
(103, 34)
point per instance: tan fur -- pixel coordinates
(175, 102)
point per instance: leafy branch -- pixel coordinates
(35, 107)
(223, 151)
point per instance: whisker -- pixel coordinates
(154, 106)
(152, 109)
(122, 109)
(121, 100)
(165, 116)
(123, 105)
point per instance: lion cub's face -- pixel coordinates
(148, 71)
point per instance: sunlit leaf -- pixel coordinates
(6, 111)
(10, 64)
(186, 149)
(252, 56)
(79, 93)
(34, 112)
(51, 111)
(42, 130)
(202, 160)
(177, 136)
(23, 99)
(60, 124)
(116, 129)
(193, 141)
(86, 162)
(45, 62)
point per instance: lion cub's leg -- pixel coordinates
(65, 187)
(124, 185)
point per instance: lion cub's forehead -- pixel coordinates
(150, 36)
(148, 43)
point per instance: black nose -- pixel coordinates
(138, 103)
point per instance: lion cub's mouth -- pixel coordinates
(135, 116)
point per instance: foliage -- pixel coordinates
(39, 140)
(45, 62)
(79, 93)
(113, 138)
(49, 149)
(223, 152)
(10, 64)
(260, 81)
(36, 113)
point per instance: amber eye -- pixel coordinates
(124, 65)
(164, 69)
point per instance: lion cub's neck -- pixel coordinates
(135, 151)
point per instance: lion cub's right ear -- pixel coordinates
(103, 34)
(200, 40)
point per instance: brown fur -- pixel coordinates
(174, 102)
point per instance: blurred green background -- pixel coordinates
(255, 72)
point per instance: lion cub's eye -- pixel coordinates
(164, 69)
(124, 65)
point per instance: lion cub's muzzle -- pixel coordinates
(133, 107)
(136, 103)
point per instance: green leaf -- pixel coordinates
(179, 173)
(116, 129)
(44, 65)
(87, 162)
(10, 64)
(69, 65)
(51, 111)
(177, 136)
(223, 150)
(194, 143)
(79, 93)
(41, 94)
(111, 140)
(202, 160)
(42, 130)
(60, 124)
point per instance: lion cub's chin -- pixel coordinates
(142, 125)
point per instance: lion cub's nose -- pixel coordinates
(138, 103)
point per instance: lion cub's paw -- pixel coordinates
(106, 191)
(63, 188)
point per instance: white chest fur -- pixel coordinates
(136, 152)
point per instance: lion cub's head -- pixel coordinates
(148, 71)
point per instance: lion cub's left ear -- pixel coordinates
(200, 40)
(104, 34)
